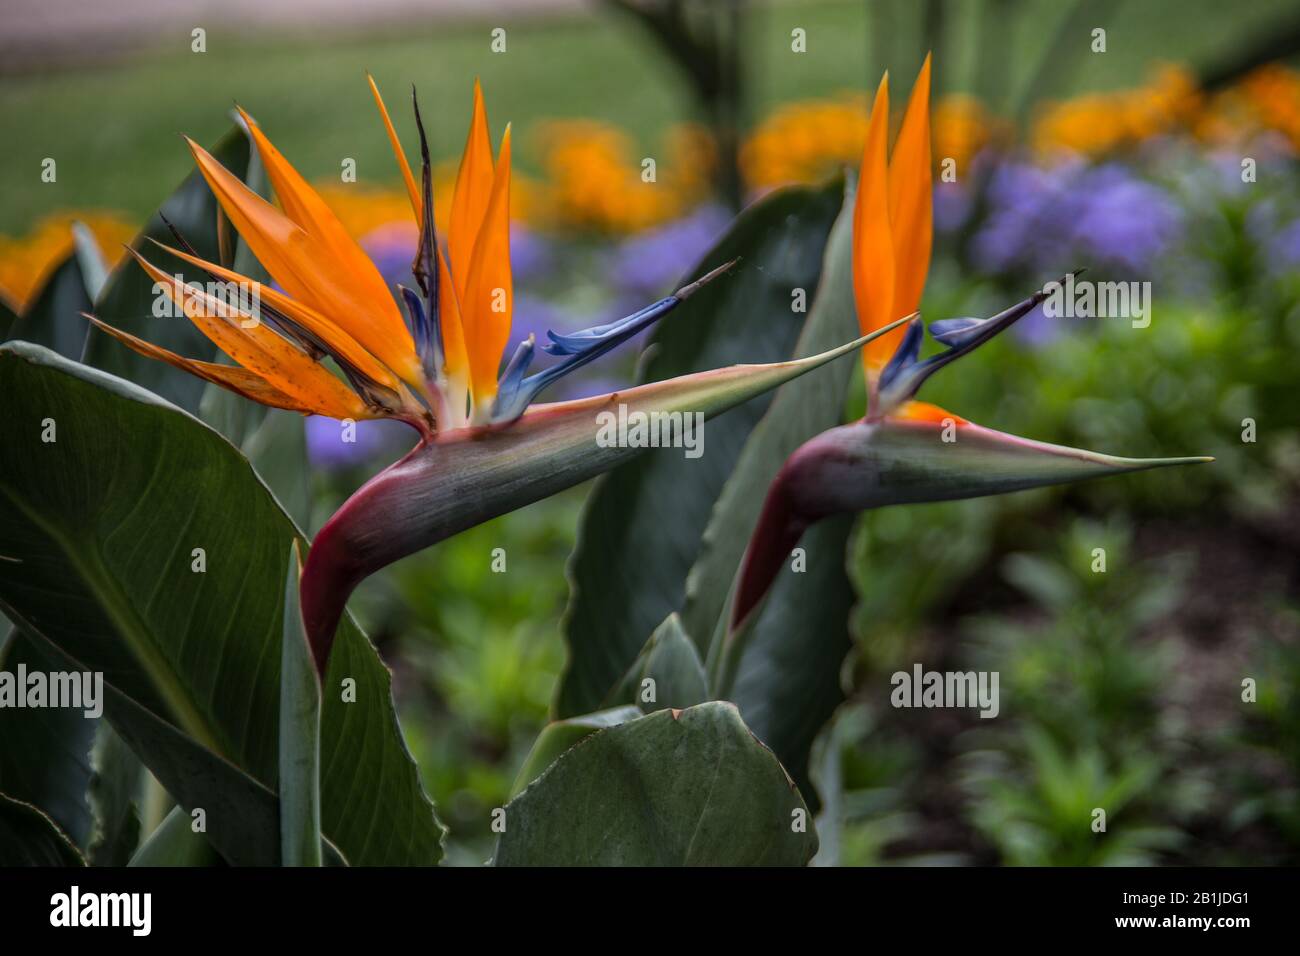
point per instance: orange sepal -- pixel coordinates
(351, 266)
(259, 349)
(488, 294)
(338, 341)
(302, 266)
(473, 193)
(412, 190)
(455, 357)
(873, 246)
(911, 198)
(238, 380)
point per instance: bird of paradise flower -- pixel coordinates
(484, 446)
(903, 451)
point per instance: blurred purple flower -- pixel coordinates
(392, 248)
(952, 206)
(533, 316)
(329, 449)
(652, 262)
(1048, 220)
(531, 253)
(1284, 248)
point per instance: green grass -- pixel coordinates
(113, 128)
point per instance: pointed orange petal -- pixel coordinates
(304, 206)
(259, 349)
(910, 197)
(238, 380)
(301, 265)
(873, 246)
(489, 294)
(337, 340)
(455, 357)
(412, 191)
(473, 192)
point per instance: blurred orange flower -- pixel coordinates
(1098, 123)
(26, 260)
(594, 180)
(812, 139)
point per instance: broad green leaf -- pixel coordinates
(104, 523)
(45, 752)
(560, 735)
(175, 843)
(299, 734)
(116, 785)
(52, 316)
(241, 814)
(787, 683)
(29, 838)
(677, 788)
(641, 525)
(127, 300)
(277, 449)
(799, 410)
(94, 270)
(667, 673)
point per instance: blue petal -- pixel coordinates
(955, 332)
(611, 333)
(905, 355)
(905, 374)
(577, 349)
(421, 330)
(513, 377)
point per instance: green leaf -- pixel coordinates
(299, 734)
(641, 526)
(94, 269)
(53, 314)
(175, 843)
(676, 788)
(242, 814)
(116, 785)
(45, 757)
(103, 571)
(787, 682)
(558, 736)
(29, 838)
(670, 660)
(127, 299)
(277, 449)
(799, 410)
